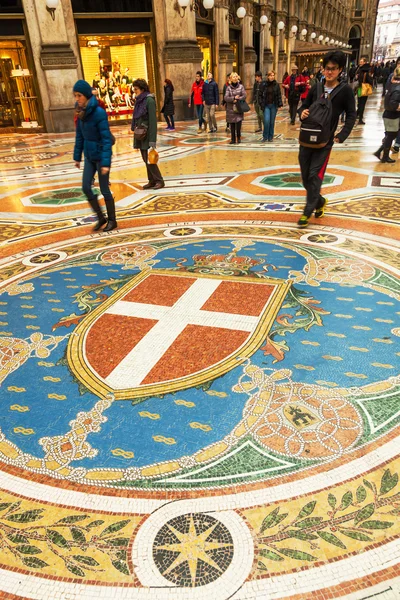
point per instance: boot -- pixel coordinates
(101, 220)
(112, 223)
(378, 153)
(386, 158)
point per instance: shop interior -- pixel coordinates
(111, 63)
(18, 100)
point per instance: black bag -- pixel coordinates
(140, 133)
(315, 130)
(242, 106)
(392, 97)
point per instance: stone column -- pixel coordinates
(224, 53)
(57, 61)
(249, 54)
(179, 56)
(265, 43)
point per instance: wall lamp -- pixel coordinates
(263, 20)
(241, 12)
(51, 6)
(181, 5)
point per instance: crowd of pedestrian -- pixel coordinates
(320, 100)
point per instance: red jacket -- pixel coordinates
(196, 93)
(306, 88)
(300, 88)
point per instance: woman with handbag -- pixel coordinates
(93, 138)
(168, 109)
(364, 87)
(234, 96)
(144, 127)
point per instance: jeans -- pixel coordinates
(313, 163)
(397, 140)
(269, 121)
(153, 171)
(89, 171)
(170, 121)
(209, 112)
(200, 110)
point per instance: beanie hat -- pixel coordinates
(82, 87)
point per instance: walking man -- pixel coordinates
(294, 83)
(210, 99)
(256, 100)
(314, 161)
(196, 97)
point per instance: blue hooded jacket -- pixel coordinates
(93, 136)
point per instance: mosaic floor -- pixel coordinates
(204, 403)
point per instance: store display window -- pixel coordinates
(18, 98)
(205, 47)
(111, 63)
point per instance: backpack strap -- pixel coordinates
(320, 88)
(336, 90)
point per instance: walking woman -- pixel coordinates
(234, 92)
(169, 107)
(93, 138)
(144, 127)
(391, 117)
(271, 102)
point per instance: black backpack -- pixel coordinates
(392, 97)
(316, 129)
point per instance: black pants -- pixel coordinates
(362, 101)
(313, 163)
(89, 171)
(170, 121)
(236, 131)
(390, 136)
(293, 105)
(153, 172)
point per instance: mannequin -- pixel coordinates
(125, 88)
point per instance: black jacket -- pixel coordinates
(392, 100)
(256, 97)
(343, 102)
(211, 93)
(169, 106)
(363, 74)
(276, 91)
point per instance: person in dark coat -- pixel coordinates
(391, 117)
(169, 107)
(235, 91)
(210, 97)
(295, 85)
(144, 115)
(94, 140)
(271, 102)
(256, 99)
(362, 76)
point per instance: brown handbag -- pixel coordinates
(140, 133)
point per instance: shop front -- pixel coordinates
(19, 102)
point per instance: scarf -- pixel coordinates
(140, 106)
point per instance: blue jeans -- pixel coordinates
(269, 121)
(89, 171)
(397, 140)
(200, 110)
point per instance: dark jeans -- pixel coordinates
(313, 163)
(388, 139)
(362, 101)
(199, 111)
(236, 131)
(153, 172)
(269, 121)
(170, 121)
(293, 104)
(89, 171)
(397, 142)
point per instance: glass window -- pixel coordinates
(11, 6)
(89, 6)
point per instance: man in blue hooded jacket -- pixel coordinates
(93, 138)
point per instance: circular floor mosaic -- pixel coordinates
(239, 357)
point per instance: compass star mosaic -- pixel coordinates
(205, 402)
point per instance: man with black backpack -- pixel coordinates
(319, 116)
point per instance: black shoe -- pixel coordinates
(101, 221)
(292, 122)
(378, 153)
(148, 186)
(239, 140)
(159, 185)
(232, 142)
(395, 149)
(387, 159)
(361, 122)
(110, 226)
(258, 130)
